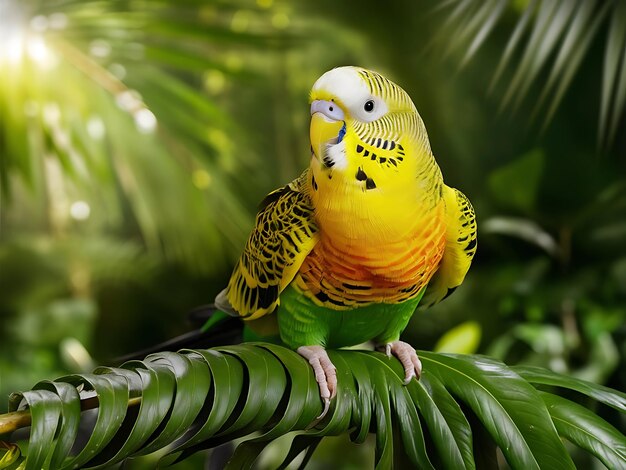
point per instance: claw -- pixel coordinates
(325, 374)
(408, 379)
(408, 358)
(313, 423)
(325, 410)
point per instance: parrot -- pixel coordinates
(345, 253)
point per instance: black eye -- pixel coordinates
(369, 106)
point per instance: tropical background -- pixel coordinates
(137, 137)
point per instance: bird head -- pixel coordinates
(358, 115)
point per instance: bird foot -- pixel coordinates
(325, 374)
(408, 358)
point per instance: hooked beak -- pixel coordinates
(327, 126)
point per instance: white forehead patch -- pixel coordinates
(349, 87)
(345, 83)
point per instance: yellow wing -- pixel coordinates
(284, 234)
(459, 251)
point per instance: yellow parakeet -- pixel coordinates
(344, 253)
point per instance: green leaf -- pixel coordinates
(11, 455)
(227, 376)
(299, 444)
(524, 229)
(612, 79)
(45, 409)
(446, 422)
(551, 20)
(585, 429)
(113, 394)
(139, 424)
(514, 40)
(462, 339)
(70, 419)
(541, 376)
(263, 395)
(192, 387)
(483, 26)
(576, 42)
(525, 434)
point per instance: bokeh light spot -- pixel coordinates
(80, 210)
(280, 20)
(118, 70)
(39, 52)
(51, 114)
(146, 121)
(95, 128)
(234, 62)
(39, 23)
(201, 179)
(240, 21)
(100, 48)
(128, 100)
(214, 81)
(220, 140)
(265, 3)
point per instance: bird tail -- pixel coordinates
(210, 315)
(212, 328)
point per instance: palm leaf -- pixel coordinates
(550, 37)
(191, 400)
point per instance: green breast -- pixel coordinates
(302, 323)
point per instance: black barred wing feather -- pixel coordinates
(459, 251)
(283, 236)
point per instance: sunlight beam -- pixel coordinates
(11, 33)
(18, 40)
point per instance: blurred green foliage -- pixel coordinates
(136, 138)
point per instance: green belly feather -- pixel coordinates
(303, 323)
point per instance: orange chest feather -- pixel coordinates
(343, 273)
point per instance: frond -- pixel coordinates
(549, 42)
(192, 400)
